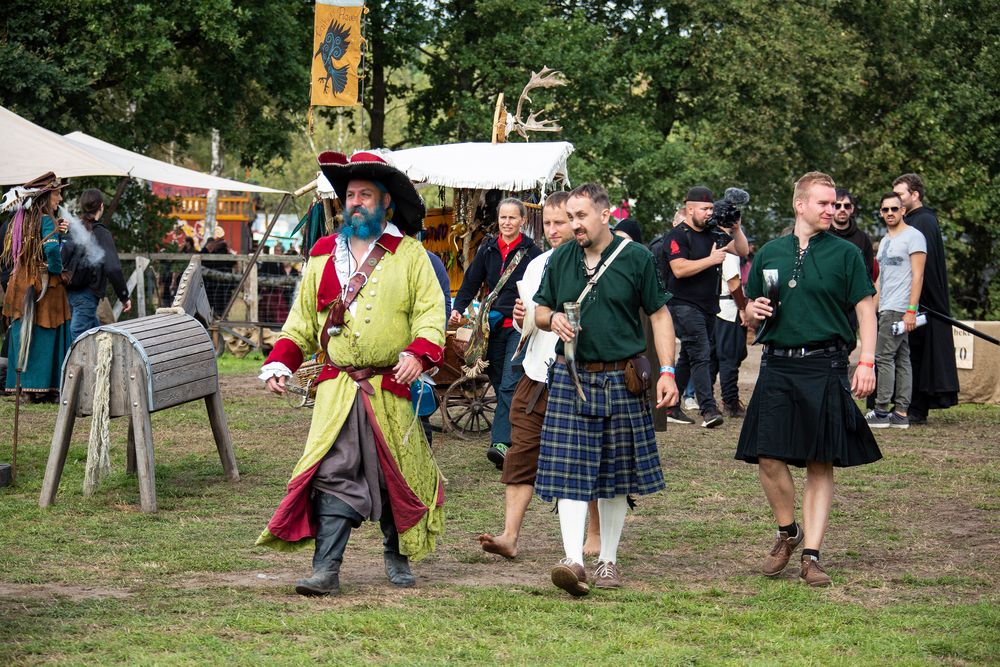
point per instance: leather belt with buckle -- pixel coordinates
(596, 366)
(362, 375)
(806, 351)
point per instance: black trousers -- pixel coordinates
(730, 351)
(696, 329)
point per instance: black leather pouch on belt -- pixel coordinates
(638, 374)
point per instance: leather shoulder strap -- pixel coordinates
(349, 293)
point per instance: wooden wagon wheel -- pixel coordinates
(469, 406)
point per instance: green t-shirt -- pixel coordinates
(830, 282)
(611, 329)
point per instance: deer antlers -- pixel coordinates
(546, 78)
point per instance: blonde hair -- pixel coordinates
(807, 181)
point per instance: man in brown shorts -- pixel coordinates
(527, 409)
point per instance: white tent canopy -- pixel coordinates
(137, 165)
(28, 151)
(511, 166)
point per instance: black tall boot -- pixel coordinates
(335, 519)
(397, 566)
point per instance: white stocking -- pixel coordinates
(612, 511)
(573, 524)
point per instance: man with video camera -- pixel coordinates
(689, 261)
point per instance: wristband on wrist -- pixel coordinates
(667, 370)
(551, 315)
(869, 364)
(912, 308)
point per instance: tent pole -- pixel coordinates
(256, 254)
(119, 191)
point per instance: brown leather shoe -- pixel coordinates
(571, 577)
(812, 573)
(781, 552)
(606, 575)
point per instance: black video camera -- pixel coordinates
(726, 213)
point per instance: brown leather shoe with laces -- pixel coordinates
(780, 553)
(812, 573)
(606, 575)
(571, 577)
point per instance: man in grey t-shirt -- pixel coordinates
(901, 257)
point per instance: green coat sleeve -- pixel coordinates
(303, 323)
(426, 298)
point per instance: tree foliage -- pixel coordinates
(664, 95)
(143, 75)
(661, 96)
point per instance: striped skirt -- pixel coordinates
(599, 448)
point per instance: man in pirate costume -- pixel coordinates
(597, 435)
(801, 413)
(35, 299)
(369, 302)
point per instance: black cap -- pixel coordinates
(631, 227)
(699, 193)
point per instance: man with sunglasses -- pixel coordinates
(845, 226)
(901, 257)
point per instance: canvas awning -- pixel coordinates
(137, 165)
(28, 151)
(510, 166)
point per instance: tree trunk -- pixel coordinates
(375, 105)
(212, 198)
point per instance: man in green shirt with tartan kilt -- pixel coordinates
(802, 286)
(597, 436)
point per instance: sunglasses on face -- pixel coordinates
(886, 209)
(846, 207)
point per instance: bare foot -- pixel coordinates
(592, 545)
(500, 545)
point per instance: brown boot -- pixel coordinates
(571, 577)
(780, 553)
(812, 573)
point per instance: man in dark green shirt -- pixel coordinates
(802, 286)
(597, 437)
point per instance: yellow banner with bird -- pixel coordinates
(337, 46)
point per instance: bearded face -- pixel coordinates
(362, 223)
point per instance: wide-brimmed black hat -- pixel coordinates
(408, 206)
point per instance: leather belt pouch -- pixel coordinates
(637, 375)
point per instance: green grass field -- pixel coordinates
(912, 547)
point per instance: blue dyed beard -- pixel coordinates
(367, 227)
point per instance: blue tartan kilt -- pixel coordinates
(599, 448)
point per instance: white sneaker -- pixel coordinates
(691, 403)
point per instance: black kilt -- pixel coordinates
(802, 410)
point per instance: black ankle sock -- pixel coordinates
(811, 552)
(792, 529)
